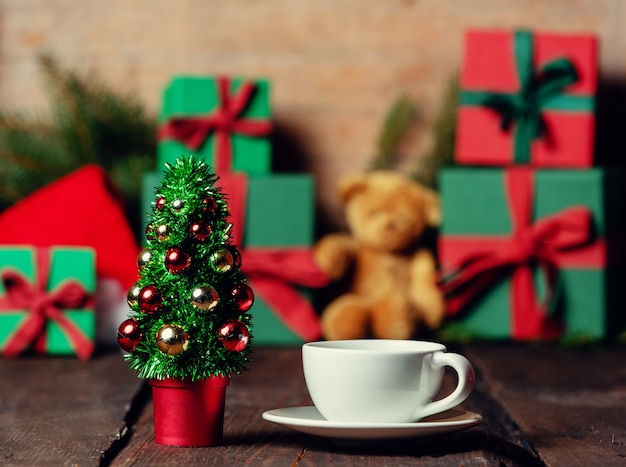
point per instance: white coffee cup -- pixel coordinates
(382, 381)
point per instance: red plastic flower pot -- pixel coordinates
(189, 413)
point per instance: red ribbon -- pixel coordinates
(43, 306)
(551, 242)
(194, 130)
(273, 272)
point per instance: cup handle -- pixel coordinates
(466, 376)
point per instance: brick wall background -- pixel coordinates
(336, 65)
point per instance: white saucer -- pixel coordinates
(309, 420)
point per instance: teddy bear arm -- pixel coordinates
(425, 294)
(334, 254)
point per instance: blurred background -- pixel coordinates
(335, 66)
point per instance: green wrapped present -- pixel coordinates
(47, 300)
(525, 253)
(223, 121)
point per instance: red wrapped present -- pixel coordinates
(527, 99)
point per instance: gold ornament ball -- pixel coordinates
(222, 260)
(133, 294)
(204, 297)
(145, 257)
(178, 205)
(162, 232)
(172, 339)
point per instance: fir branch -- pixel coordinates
(68, 94)
(400, 116)
(88, 123)
(444, 133)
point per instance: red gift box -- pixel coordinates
(527, 99)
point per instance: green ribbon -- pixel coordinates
(540, 90)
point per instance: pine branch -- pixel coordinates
(89, 123)
(444, 133)
(402, 113)
(70, 115)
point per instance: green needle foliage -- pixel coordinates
(87, 123)
(400, 116)
(444, 133)
(201, 293)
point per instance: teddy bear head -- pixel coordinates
(388, 210)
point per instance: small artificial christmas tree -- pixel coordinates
(189, 320)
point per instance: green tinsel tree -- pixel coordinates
(189, 307)
(87, 123)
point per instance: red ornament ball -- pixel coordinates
(243, 296)
(234, 335)
(176, 260)
(150, 232)
(160, 203)
(200, 230)
(129, 335)
(150, 299)
(235, 254)
(209, 205)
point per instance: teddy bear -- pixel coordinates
(393, 288)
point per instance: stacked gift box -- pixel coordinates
(227, 122)
(529, 225)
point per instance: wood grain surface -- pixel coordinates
(541, 406)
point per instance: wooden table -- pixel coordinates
(541, 406)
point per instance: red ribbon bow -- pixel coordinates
(43, 306)
(194, 130)
(273, 272)
(540, 244)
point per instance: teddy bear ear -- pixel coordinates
(432, 209)
(351, 184)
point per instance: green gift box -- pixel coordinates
(524, 253)
(47, 300)
(224, 121)
(277, 219)
(279, 209)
